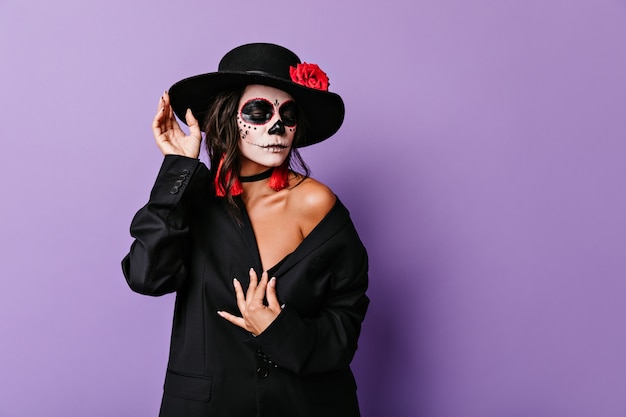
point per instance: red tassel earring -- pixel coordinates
(235, 189)
(280, 177)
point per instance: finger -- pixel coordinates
(194, 126)
(168, 119)
(253, 284)
(168, 111)
(259, 294)
(157, 122)
(161, 104)
(272, 298)
(237, 321)
(241, 301)
(160, 107)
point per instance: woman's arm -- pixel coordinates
(327, 342)
(156, 262)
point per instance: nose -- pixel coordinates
(277, 129)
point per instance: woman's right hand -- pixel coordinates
(170, 138)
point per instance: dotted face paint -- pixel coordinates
(244, 129)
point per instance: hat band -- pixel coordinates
(266, 74)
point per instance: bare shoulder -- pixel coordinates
(310, 201)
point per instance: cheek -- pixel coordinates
(246, 129)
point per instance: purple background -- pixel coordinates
(483, 159)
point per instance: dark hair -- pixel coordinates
(222, 140)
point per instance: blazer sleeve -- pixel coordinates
(327, 342)
(156, 262)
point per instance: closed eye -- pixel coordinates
(288, 113)
(257, 111)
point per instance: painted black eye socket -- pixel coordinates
(288, 113)
(257, 111)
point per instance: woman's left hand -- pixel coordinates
(255, 315)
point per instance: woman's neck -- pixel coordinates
(250, 168)
(257, 177)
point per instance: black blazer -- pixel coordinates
(187, 241)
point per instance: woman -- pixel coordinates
(243, 345)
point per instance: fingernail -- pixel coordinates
(235, 281)
(251, 270)
(220, 313)
(273, 281)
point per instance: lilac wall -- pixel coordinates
(483, 158)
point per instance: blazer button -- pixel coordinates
(178, 183)
(174, 190)
(262, 372)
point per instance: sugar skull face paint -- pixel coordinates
(267, 125)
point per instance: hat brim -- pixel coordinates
(323, 110)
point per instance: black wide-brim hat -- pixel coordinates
(266, 64)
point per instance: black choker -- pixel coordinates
(257, 177)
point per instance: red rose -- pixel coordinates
(309, 75)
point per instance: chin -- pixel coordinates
(268, 158)
(272, 162)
